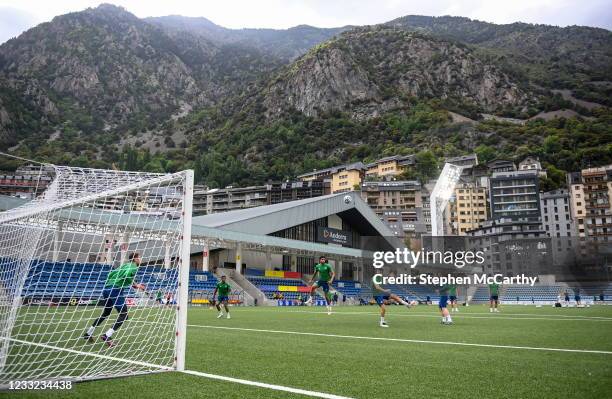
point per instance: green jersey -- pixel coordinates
(158, 295)
(445, 289)
(223, 289)
(452, 291)
(325, 271)
(123, 276)
(494, 288)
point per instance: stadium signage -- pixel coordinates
(334, 236)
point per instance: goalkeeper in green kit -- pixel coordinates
(223, 289)
(115, 289)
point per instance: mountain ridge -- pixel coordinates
(104, 88)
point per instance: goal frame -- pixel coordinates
(41, 206)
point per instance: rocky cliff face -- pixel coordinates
(105, 59)
(105, 69)
(90, 85)
(369, 70)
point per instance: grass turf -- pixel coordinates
(382, 368)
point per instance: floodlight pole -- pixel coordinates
(443, 190)
(183, 285)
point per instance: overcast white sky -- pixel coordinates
(17, 16)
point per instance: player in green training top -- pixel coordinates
(223, 289)
(114, 293)
(326, 278)
(159, 295)
(494, 298)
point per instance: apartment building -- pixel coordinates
(501, 165)
(400, 205)
(590, 191)
(389, 167)
(469, 208)
(384, 195)
(469, 160)
(532, 163)
(514, 195)
(556, 214)
(207, 201)
(26, 182)
(348, 178)
(297, 190)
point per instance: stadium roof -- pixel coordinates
(271, 218)
(251, 226)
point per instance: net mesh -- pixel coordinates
(56, 253)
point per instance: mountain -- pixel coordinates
(100, 65)
(549, 56)
(103, 88)
(104, 69)
(285, 44)
(370, 70)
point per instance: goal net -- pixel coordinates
(101, 252)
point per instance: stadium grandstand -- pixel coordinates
(267, 251)
(277, 242)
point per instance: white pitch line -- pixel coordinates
(268, 386)
(418, 341)
(492, 316)
(57, 348)
(193, 372)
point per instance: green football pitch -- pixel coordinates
(522, 352)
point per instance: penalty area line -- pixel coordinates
(264, 385)
(417, 341)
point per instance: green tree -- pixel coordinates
(426, 165)
(485, 153)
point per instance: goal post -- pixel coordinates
(183, 284)
(103, 252)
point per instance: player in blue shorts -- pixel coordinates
(577, 298)
(453, 298)
(326, 276)
(223, 289)
(443, 303)
(115, 290)
(383, 297)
